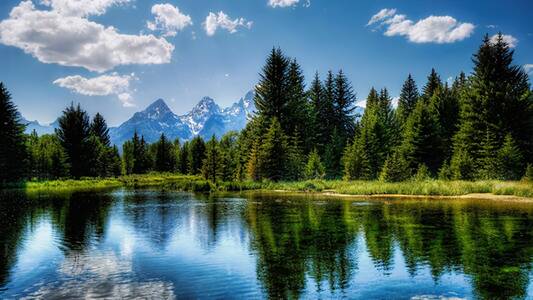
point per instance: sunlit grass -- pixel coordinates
(198, 184)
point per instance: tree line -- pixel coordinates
(479, 127)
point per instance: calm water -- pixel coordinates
(154, 244)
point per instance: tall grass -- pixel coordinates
(198, 184)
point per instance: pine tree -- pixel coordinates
(196, 155)
(212, 168)
(344, 106)
(183, 160)
(333, 155)
(510, 159)
(100, 130)
(445, 105)
(74, 133)
(433, 84)
(273, 153)
(407, 102)
(229, 152)
(298, 109)
(422, 143)
(253, 171)
(317, 113)
(356, 163)
(314, 168)
(115, 163)
(128, 159)
(272, 92)
(498, 100)
(165, 159)
(395, 169)
(528, 176)
(295, 159)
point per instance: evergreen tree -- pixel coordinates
(97, 162)
(128, 159)
(298, 109)
(407, 102)
(253, 171)
(318, 114)
(212, 168)
(356, 163)
(333, 155)
(295, 159)
(272, 159)
(433, 84)
(445, 105)
(229, 151)
(314, 168)
(100, 130)
(497, 100)
(272, 93)
(196, 155)
(13, 153)
(165, 159)
(395, 169)
(73, 134)
(115, 163)
(528, 176)
(344, 106)
(422, 143)
(142, 162)
(510, 159)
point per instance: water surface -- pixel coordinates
(157, 244)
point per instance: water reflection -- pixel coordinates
(155, 244)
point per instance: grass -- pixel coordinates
(197, 184)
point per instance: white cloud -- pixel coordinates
(528, 68)
(382, 14)
(168, 19)
(433, 29)
(283, 3)
(103, 85)
(82, 8)
(71, 40)
(509, 39)
(221, 20)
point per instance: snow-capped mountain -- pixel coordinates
(205, 119)
(197, 117)
(151, 123)
(38, 127)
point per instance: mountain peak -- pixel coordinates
(158, 104)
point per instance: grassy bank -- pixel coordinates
(197, 184)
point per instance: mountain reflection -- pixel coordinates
(127, 244)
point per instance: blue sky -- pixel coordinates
(117, 56)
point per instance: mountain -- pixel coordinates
(38, 127)
(151, 123)
(205, 119)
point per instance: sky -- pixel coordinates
(118, 56)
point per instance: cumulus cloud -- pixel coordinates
(433, 29)
(283, 3)
(69, 39)
(168, 19)
(509, 39)
(104, 85)
(82, 8)
(221, 20)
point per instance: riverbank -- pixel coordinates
(336, 187)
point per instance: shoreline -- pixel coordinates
(431, 189)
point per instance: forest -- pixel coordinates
(478, 127)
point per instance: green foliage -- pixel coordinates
(356, 163)
(314, 168)
(165, 156)
(212, 166)
(528, 176)
(423, 173)
(395, 169)
(196, 155)
(333, 155)
(100, 130)
(229, 151)
(74, 133)
(510, 160)
(433, 84)
(273, 153)
(408, 99)
(422, 142)
(445, 172)
(47, 159)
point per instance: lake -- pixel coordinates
(159, 244)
